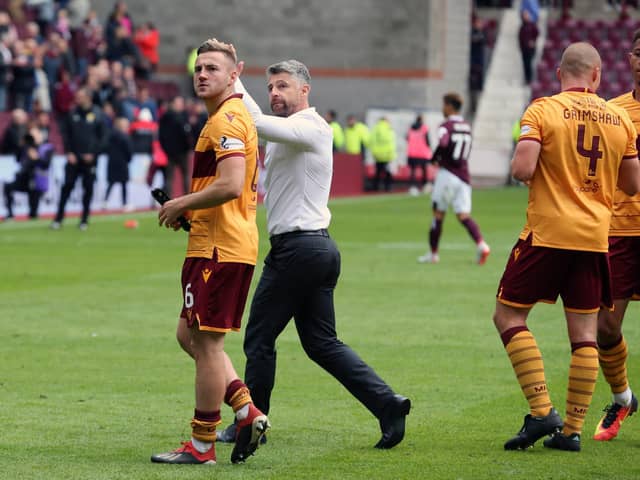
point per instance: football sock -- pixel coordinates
(238, 397)
(473, 229)
(583, 373)
(203, 426)
(434, 234)
(613, 361)
(202, 447)
(243, 412)
(623, 398)
(526, 360)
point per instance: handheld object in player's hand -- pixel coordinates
(162, 197)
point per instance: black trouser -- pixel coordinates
(180, 161)
(22, 185)
(527, 63)
(382, 170)
(123, 192)
(71, 174)
(298, 279)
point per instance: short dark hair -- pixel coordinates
(454, 100)
(636, 37)
(292, 67)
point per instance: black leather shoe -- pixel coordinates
(228, 435)
(392, 422)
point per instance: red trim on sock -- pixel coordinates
(207, 416)
(232, 388)
(509, 333)
(577, 345)
(610, 346)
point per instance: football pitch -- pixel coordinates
(92, 381)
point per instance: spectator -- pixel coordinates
(8, 28)
(197, 117)
(33, 175)
(533, 7)
(44, 11)
(78, 11)
(143, 132)
(57, 56)
(142, 100)
(527, 37)
(147, 39)
(24, 76)
(418, 155)
(84, 136)
(477, 58)
(62, 25)
(42, 122)
(159, 162)
(356, 137)
(64, 92)
(383, 149)
(12, 141)
(6, 60)
(122, 48)
(32, 31)
(338, 134)
(86, 41)
(119, 150)
(119, 17)
(129, 82)
(175, 139)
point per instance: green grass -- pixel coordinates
(92, 380)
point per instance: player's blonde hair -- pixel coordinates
(215, 45)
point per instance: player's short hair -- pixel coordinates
(292, 67)
(215, 45)
(453, 99)
(636, 36)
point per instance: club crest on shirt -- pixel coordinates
(227, 143)
(206, 273)
(516, 254)
(230, 116)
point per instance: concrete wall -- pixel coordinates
(361, 53)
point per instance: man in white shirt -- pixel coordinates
(302, 268)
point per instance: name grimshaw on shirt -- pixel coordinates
(591, 116)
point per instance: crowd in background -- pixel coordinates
(52, 49)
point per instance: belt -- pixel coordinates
(323, 232)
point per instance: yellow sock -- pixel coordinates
(203, 426)
(583, 373)
(613, 362)
(526, 360)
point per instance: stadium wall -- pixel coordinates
(361, 53)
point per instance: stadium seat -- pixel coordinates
(537, 90)
(614, 36)
(545, 76)
(577, 35)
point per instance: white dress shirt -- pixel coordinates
(299, 166)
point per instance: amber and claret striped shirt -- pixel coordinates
(625, 221)
(229, 229)
(583, 140)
